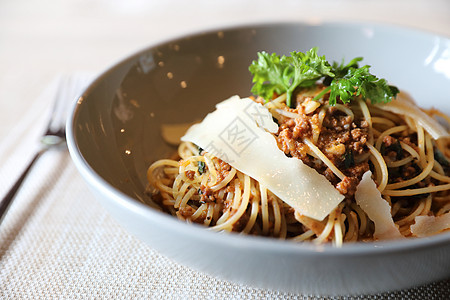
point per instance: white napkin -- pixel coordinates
(58, 242)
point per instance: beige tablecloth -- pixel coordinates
(57, 241)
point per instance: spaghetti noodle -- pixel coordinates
(341, 142)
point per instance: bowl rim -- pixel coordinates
(236, 240)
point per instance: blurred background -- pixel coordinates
(40, 39)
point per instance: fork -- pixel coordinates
(69, 87)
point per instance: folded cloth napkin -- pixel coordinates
(57, 242)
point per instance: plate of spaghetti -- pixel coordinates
(319, 123)
(313, 151)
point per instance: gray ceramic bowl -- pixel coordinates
(114, 135)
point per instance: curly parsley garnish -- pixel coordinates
(201, 167)
(273, 74)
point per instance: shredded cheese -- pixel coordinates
(368, 197)
(238, 132)
(171, 133)
(430, 225)
(405, 106)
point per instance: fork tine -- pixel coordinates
(61, 101)
(68, 88)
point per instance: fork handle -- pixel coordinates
(8, 199)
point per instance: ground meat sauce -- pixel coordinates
(190, 174)
(341, 139)
(222, 168)
(206, 195)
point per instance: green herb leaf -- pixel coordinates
(440, 157)
(273, 74)
(359, 82)
(201, 167)
(349, 160)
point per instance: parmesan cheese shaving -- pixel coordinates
(406, 107)
(377, 209)
(172, 133)
(238, 133)
(430, 225)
